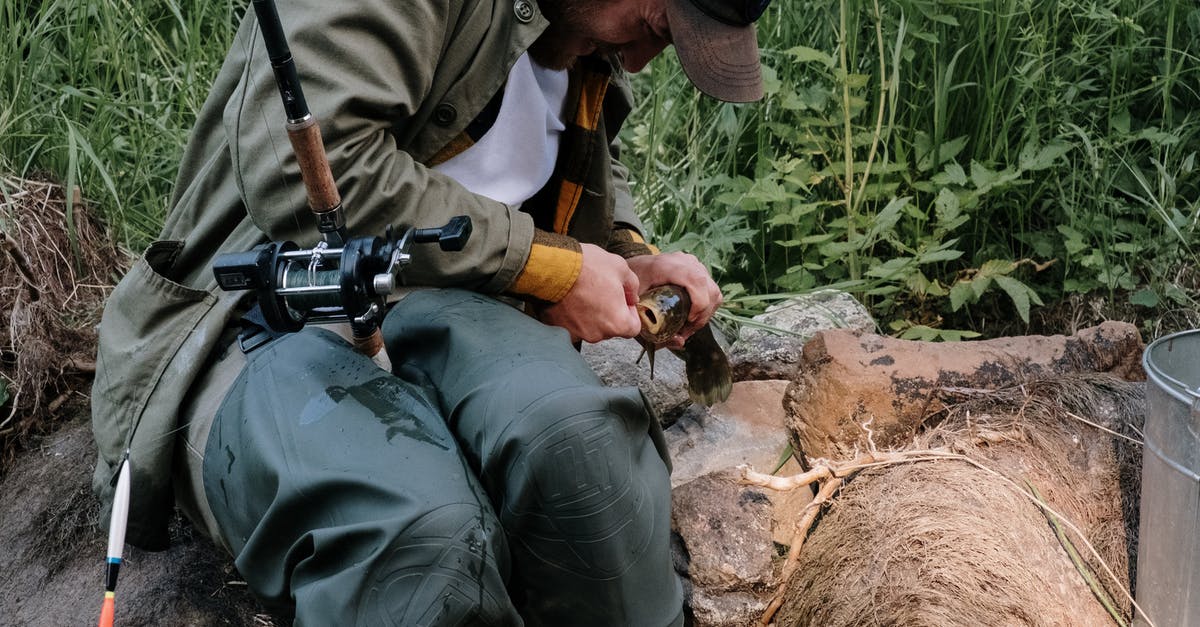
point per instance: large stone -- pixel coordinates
(726, 529)
(855, 391)
(774, 352)
(616, 362)
(729, 531)
(749, 428)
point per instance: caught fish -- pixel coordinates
(663, 311)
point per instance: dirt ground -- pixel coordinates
(54, 552)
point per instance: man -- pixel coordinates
(489, 478)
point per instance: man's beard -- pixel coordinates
(568, 18)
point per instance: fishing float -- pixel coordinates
(116, 542)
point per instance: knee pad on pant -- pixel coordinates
(440, 570)
(582, 479)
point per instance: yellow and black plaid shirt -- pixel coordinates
(576, 205)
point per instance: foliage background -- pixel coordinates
(954, 163)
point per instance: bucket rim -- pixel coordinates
(1169, 384)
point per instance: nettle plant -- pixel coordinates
(837, 197)
(927, 165)
(862, 209)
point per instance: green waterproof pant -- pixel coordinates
(491, 479)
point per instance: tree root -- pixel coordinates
(830, 476)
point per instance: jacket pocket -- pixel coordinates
(148, 325)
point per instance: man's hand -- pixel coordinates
(687, 272)
(601, 303)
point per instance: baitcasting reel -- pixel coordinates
(297, 286)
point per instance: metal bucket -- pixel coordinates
(1168, 564)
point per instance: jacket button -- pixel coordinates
(445, 114)
(524, 11)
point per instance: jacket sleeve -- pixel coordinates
(367, 68)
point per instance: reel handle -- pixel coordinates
(452, 237)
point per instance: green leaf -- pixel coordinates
(1120, 121)
(890, 268)
(819, 238)
(770, 78)
(955, 174)
(857, 81)
(952, 335)
(961, 293)
(1074, 242)
(1155, 136)
(1144, 297)
(804, 54)
(996, 267)
(947, 206)
(949, 150)
(920, 332)
(980, 284)
(886, 219)
(1034, 160)
(981, 176)
(1020, 294)
(727, 120)
(935, 256)
(4, 395)
(1178, 295)
(783, 458)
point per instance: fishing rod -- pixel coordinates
(303, 131)
(340, 279)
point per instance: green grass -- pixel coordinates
(948, 161)
(102, 93)
(933, 157)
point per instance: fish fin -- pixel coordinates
(709, 376)
(647, 352)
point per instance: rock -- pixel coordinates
(730, 609)
(764, 354)
(616, 362)
(726, 529)
(749, 428)
(850, 383)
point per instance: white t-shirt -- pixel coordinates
(515, 157)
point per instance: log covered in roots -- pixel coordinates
(984, 532)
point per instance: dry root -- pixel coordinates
(57, 264)
(953, 446)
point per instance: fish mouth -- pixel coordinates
(652, 320)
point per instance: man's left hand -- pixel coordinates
(686, 271)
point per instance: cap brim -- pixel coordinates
(721, 60)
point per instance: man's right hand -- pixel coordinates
(601, 303)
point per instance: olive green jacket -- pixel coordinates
(394, 84)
